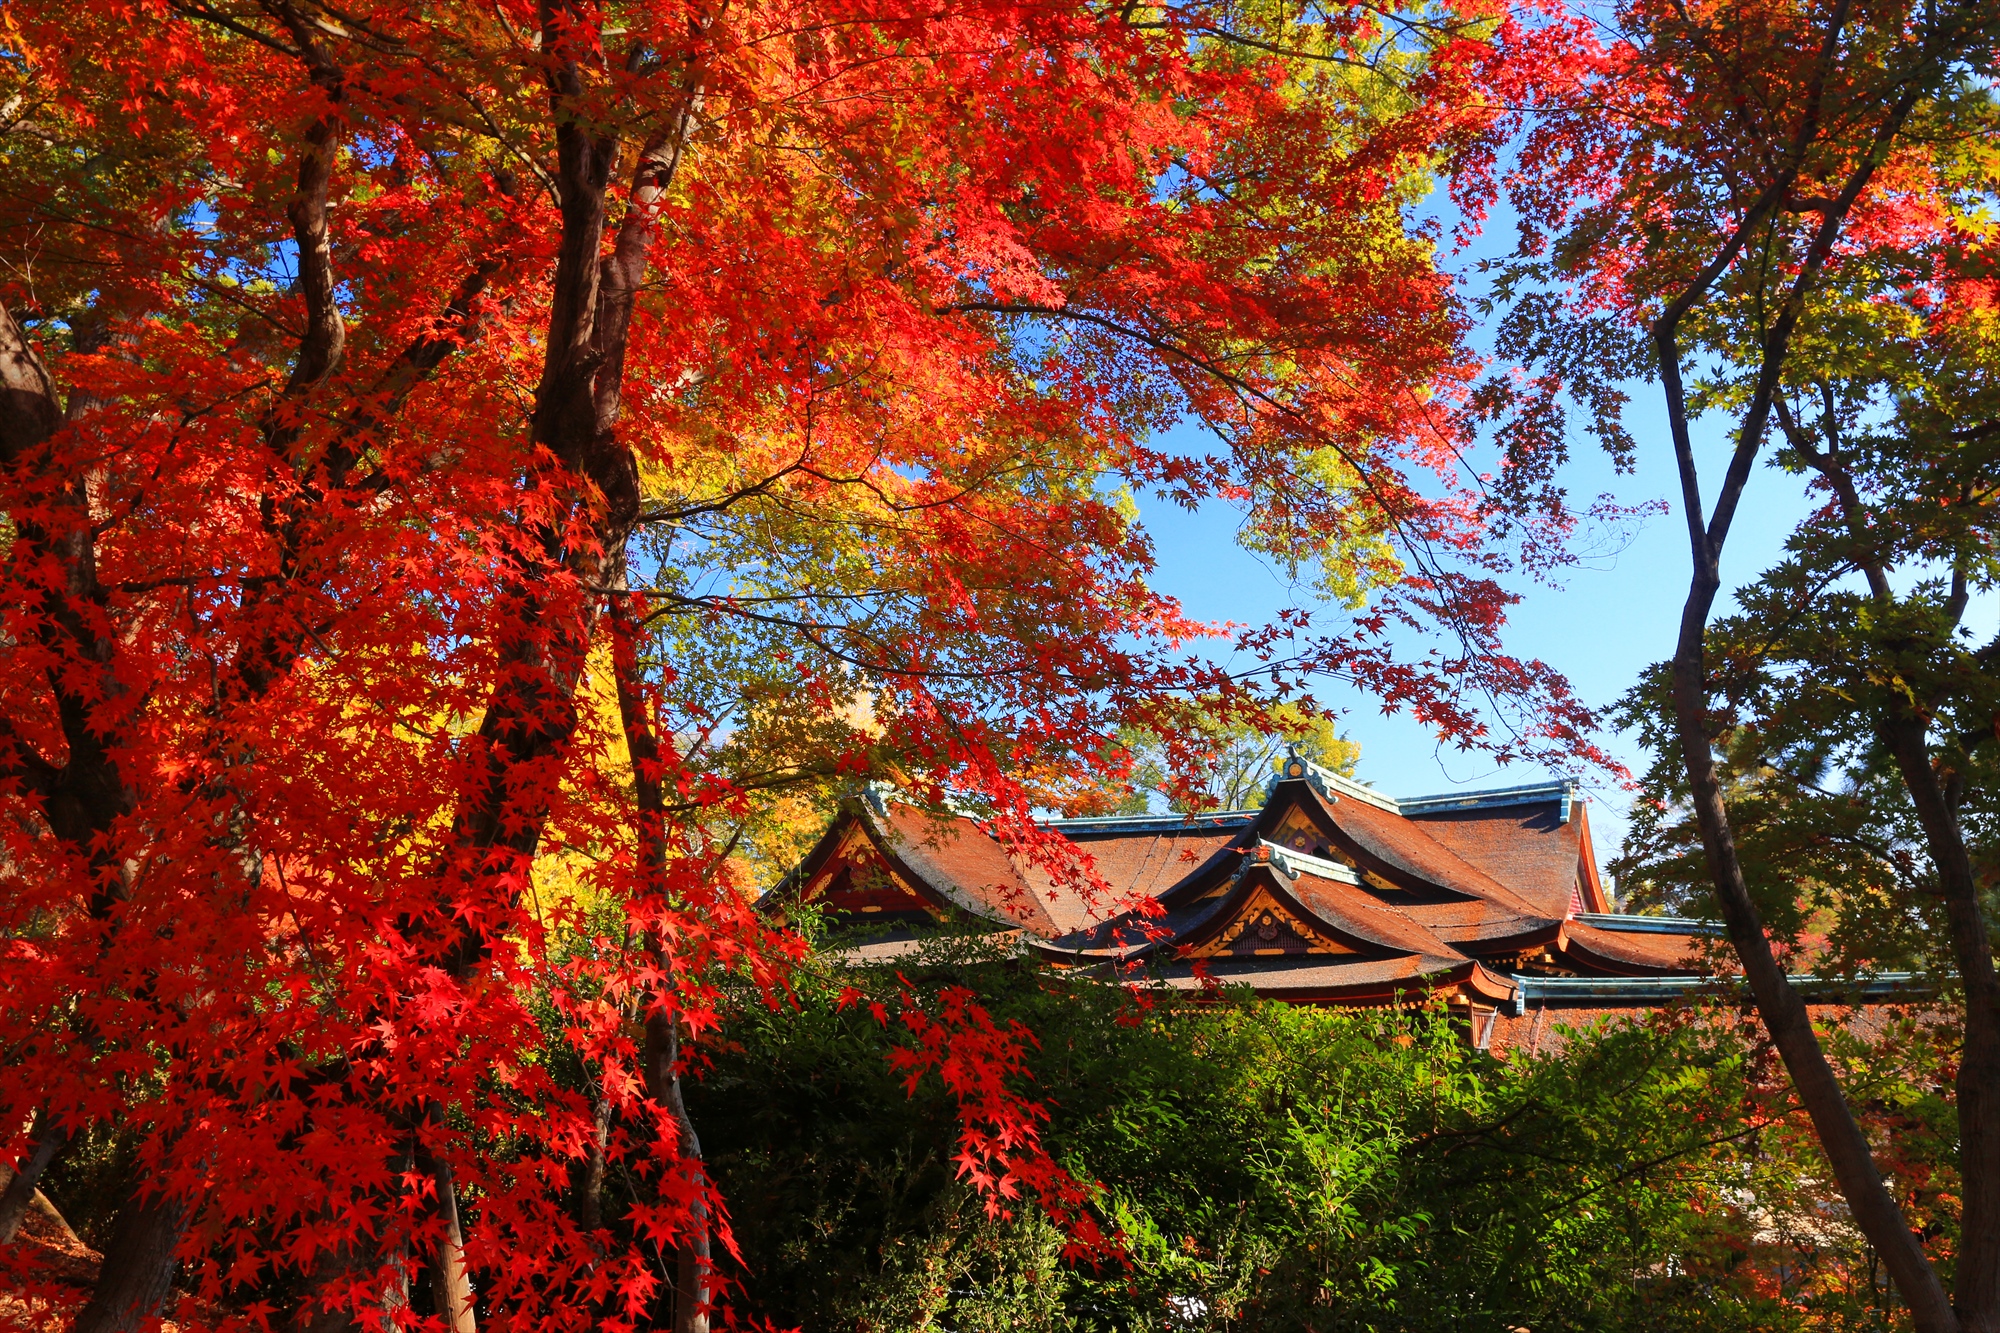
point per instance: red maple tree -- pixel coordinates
(410, 414)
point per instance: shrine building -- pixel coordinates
(1331, 893)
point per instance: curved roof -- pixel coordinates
(1360, 914)
(1403, 845)
(1536, 848)
(1627, 953)
(1446, 890)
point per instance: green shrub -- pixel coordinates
(1268, 1167)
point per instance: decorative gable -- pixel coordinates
(1263, 927)
(855, 881)
(1296, 831)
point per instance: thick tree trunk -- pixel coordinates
(85, 797)
(40, 1203)
(329, 1267)
(138, 1267)
(551, 604)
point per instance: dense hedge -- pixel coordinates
(1269, 1167)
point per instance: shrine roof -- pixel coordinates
(1407, 846)
(1351, 879)
(1146, 860)
(1358, 913)
(1532, 845)
(1330, 893)
(1477, 921)
(953, 857)
(973, 869)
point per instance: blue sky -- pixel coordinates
(1600, 628)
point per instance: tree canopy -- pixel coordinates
(1788, 223)
(476, 479)
(457, 459)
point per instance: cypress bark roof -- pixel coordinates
(1329, 892)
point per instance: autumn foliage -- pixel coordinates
(464, 468)
(467, 469)
(456, 459)
(1784, 213)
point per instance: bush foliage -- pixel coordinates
(1275, 1167)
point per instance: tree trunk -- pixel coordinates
(1784, 1012)
(329, 1268)
(138, 1266)
(691, 1288)
(543, 638)
(24, 1186)
(590, 1193)
(451, 1285)
(396, 1294)
(692, 1258)
(1904, 733)
(39, 1202)
(1977, 1285)
(662, 1053)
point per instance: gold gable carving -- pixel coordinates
(856, 879)
(1262, 927)
(1297, 832)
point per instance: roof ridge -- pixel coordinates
(1318, 865)
(1334, 786)
(1326, 782)
(1562, 789)
(1146, 822)
(1634, 923)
